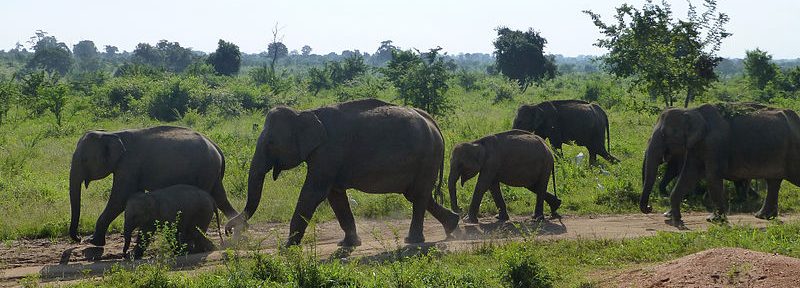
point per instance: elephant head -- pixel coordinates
(676, 131)
(540, 119)
(140, 212)
(95, 157)
(288, 139)
(465, 162)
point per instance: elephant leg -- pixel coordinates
(744, 190)
(719, 197)
(672, 171)
(311, 195)
(592, 158)
(448, 219)
(687, 180)
(418, 206)
(337, 198)
(483, 184)
(114, 207)
(221, 198)
(499, 202)
(770, 208)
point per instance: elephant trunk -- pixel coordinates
(652, 158)
(259, 166)
(451, 186)
(76, 176)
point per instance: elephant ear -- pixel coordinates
(695, 127)
(309, 133)
(474, 158)
(114, 149)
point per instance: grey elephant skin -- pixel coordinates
(516, 158)
(143, 160)
(369, 145)
(732, 141)
(563, 121)
(185, 206)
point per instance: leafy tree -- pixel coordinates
(383, 54)
(148, 55)
(759, 68)
(53, 98)
(227, 59)
(111, 51)
(352, 67)
(50, 55)
(88, 56)
(168, 55)
(9, 92)
(306, 50)
(277, 50)
(520, 56)
(318, 79)
(664, 57)
(420, 81)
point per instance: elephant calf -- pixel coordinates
(194, 205)
(516, 158)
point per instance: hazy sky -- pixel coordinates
(333, 26)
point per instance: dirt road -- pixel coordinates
(59, 259)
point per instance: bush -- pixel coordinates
(500, 88)
(521, 270)
(468, 80)
(169, 104)
(121, 92)
(592, 92)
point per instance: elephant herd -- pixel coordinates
(377, 147)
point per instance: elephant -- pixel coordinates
(143, 160)
(184, 205)
(516, 158)
(675, 163)
(563, 121)
(733, 141)
(369, 145)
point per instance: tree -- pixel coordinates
(306, 50)
(318, 79)
(168, 55)
(383, 54)
(664, 57)
(420, 81)
(759, 68)
(347, 70)
(88, 56)
(8, 94)
(53, 98)
(277, 50)
(111, 51)
(50, 55)
(227, 59)
(520, 56)
(148, 55)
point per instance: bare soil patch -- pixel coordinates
(720, 267)
(60, 259)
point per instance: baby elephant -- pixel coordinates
(516, 158)
(195, 206)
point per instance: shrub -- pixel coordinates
(500, 88)
(170, 103)
(522, 270)
(591, 92)
(468, 80)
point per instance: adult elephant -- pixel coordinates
(369, 145)
(143, 160)
(563, 121)
(733, 141)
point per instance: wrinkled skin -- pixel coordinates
(516, 158)
(143, 160)
(195, 207)
(563, 121)
(368, 145)
(759, 142)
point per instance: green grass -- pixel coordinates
(35, 156)
(565, 263)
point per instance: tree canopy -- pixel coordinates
(520, 56)
(420, 79)
(759, 68)
(227, 59)
(50, 55)
(662, 55)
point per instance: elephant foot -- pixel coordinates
(766, 214)
(717, 218)
(667, 214)
(555, 215)
(471, 219)
(415, 239)
(456, 209)
(97, 241)
(451, 224)
(502, 217)
(678, 223)
(555, 205)
(354, 241)
(538, 218)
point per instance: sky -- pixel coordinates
(465, 26)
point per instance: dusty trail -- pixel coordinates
(60, 260)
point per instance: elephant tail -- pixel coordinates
(219, 227)
(553, 172)
(439, 193)
(608, 130)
